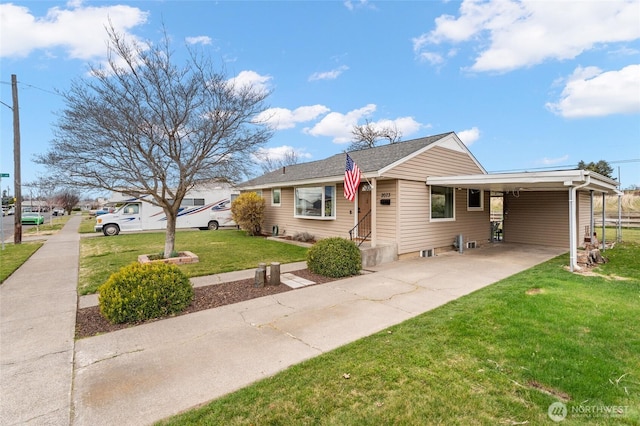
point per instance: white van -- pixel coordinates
(203, 208)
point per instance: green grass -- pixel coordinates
(14, 255)
(628, 234)
(500, 355)
(219, 251)
(87, 223)
(50, 226)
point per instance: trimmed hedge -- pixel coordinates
(334, 257)
(139, 292)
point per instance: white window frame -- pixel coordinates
(453, 211)
(323, 189)
(273, 193)
(475, 208)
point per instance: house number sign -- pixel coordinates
(385, 195)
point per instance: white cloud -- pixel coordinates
(283, 118)
(406, 125)
(351, 4)
(553, 161)
(469, 136)
(524, 33)
(280, 153)
(589, 92)
(338, 126)
(328, 75)
(250, 78)
(198, 40)
(78, 29)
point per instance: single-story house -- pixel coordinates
(429, 194)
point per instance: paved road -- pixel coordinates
(8, 226)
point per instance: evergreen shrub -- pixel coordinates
(139, 292)
(334, 257)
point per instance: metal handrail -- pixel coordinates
(362, 230)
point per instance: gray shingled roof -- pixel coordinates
(369, 160)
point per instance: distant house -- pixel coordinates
(425, 195)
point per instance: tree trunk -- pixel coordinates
(170, 234)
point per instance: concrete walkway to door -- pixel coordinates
(143, 374)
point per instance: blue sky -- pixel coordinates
(526, 85)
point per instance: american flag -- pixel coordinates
(351, 179)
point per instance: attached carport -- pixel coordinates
(538, 186)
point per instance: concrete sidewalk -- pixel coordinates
(37, 322)
(143, 374)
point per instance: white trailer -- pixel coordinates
(204, 208)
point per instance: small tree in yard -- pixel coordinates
(146, 127)
(248, 212)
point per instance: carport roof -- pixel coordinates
(530, 181)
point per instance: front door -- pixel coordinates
(364, 207)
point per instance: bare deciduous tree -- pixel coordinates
(144, 125)
(45, 188)
(67, 200)
(368, 135)
(268, 163)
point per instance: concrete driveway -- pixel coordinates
(146, 373)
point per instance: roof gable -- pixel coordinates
(371, 161)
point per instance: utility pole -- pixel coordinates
(17, 235)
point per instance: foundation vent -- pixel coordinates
(428, 253)
(471, 244)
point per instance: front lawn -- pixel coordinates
(499, 356)
(14, 255)
(219, 251)
(50, 226)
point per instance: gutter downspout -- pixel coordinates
(573, 249)
(592, 221)
(604, 216)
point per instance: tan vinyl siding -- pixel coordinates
(417, 232)
(537, 218)
(387, 215)
(283, 217)
(436, 161)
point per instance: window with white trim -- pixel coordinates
(315, 202)
(442, 203)
(475, 200)
(276, 193)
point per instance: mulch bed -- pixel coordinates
(89, 321)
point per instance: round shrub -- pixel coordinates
(334, 257)
(144, 291)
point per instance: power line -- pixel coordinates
(33, 87)
(563, 167)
